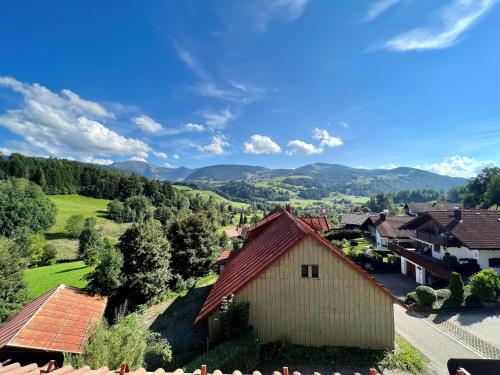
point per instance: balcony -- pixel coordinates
(431, 264)
(437, 239)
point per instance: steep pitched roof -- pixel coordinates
(476, 229)
(58, 320)
(390, 226)
(437, 206)
(274, 239)
(319, 224)
(354, 218)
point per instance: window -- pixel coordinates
(310, 271)
(315, 271)
(305, 270)
(494, 262)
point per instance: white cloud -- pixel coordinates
(218, 120)
(97, 161)
(379, 7)
(168, 165)
(326, 140)
(457, 166)
(160, 154)
(389, 166)
(457, 18)
(191, 127)
(266, 11)
(176, 156)
(138, 158)
(344, 124)
(261, 144)
(147, 124)
(65, 125)
(298, 147)
(217, 145)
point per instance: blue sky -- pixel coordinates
(278, 83)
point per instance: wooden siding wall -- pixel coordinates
(339, 308)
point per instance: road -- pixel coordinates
(435, 344)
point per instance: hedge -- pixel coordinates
(241, 353)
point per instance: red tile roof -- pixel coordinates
(59, 320)
(34, 369)
(275, 238)
(319, 224)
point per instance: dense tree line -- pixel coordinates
(56, 176)
(482, 191)
(418, 196)
(248, 192)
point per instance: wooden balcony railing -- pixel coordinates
(436, 239)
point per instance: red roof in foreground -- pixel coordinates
(59, 320)
(319, 224)
(51, 367)
(279, 233)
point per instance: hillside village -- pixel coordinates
(244, 280)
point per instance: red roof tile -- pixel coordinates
(319, 224)
(275, 238)
(59, 320)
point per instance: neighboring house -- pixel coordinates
(302, 288)
(319, 224)
(57, 322)
(355, 220)
(384, 228)
(471, 235)
(415, 209)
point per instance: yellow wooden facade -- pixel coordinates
(340, 308)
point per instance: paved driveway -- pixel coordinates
(398, 284)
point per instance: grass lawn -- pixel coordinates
(68, 205)
(42, 279)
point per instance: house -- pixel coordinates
(384, 228)
(355, 220)
(415, 209)
(471, 235)
(57, 322)
(303, 289)
(319, 224)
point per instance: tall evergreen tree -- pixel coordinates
(146, 261)
(194, 243)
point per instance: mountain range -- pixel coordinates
(318, 176)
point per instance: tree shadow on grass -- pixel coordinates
(57, 236)
(72, 269)
(176, 324)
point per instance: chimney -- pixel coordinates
(383, 215)
(288, 208)
(457, 213)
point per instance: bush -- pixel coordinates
(341, 234)
(485, 285)
(128, 341)
(105, 279)
(450, 261)
(74, 225)
(426, 295)
(405, 358)
(412, 299)
(240, 354)
(233, 317)
(49, 255)
(456, 287)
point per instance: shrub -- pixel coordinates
(233, 317)
(456, 287)
(128, 340)
(450, 261)
(105, 279)
(426, 295)
(49, 255)
(341, 234)
(485, 285)
(240, 354)
(412, 299)
(405, 358)
(74, 225)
